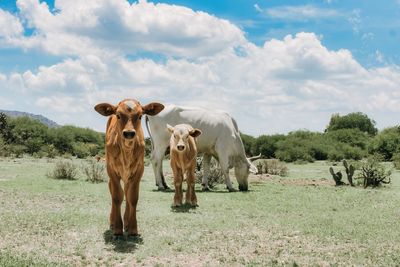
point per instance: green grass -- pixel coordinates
(301, 220)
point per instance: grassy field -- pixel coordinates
(300, 220)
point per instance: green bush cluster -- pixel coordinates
(63, 170)
(352, 136)
(23, 135)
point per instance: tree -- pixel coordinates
(267, 145)
(248, 142)
(302, 145)
(355, 120)
(386, 143)
(5, 131)
(29, 133)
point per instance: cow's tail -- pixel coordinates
(148, 130)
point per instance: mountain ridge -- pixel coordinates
(41, 118)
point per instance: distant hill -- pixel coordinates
(42, 119)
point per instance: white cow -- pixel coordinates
(220, 138)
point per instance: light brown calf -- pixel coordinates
(183, 154)
(125, 158)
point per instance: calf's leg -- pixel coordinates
(117, 197)
(190, 193)
(178, 178)
(131, 203)
(206, 172)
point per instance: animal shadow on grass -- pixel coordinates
(168, 190)
(185, 208)
(122, 244)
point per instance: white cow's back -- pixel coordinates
(217, 127)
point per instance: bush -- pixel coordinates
(386, 143)
(94, 171)
(352, 137)
(4, 152)
(80, 150)
(248, 142)
(373, 173)
(215, 175)
(303, 146)
(396, 160)
(17, 150)
(64, 170)
(272, 166)
(266, 145)
(342, 151)
(50, 151)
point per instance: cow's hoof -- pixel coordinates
(232, 189)
(134, 237)
(243, 188)
(118, 237)
(205, 189)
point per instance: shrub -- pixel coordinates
(352, 137)
(215, 176)
(17, 150)
(64, 170)
(373, 173)
(50, 151)
(4, 151)
(386, 143)
(272, 166)
(302, 146)
(94, 171)
(396, 160)
(266, 145)
(80, 150)
(342, 151)
(248, 142)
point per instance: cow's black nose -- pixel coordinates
(180, 148)
(129, 134)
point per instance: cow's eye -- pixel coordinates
(140, 117)
(118, 116)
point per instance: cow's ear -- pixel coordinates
(195, 132)
(153, 109)
(105, 109)
(170, 128)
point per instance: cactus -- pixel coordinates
(336, 176)
(349, 171)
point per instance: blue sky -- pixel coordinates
(297, 58)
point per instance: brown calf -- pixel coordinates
(183, 154)
(125, 158)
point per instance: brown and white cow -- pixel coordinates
(125, 158)
(183, 154)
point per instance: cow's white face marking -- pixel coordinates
(130, 104)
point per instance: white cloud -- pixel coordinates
(280, 86)
(284, 85)
(10, 26)
(115, 26)
(379, 56)
(300, 12)
(355, 20)
(258, 8)
(60, 103)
